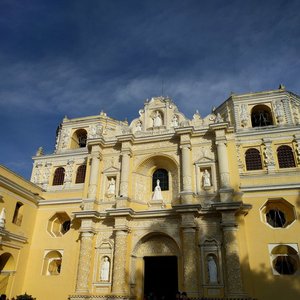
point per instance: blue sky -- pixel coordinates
(78, 57)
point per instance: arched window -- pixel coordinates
(18, 214)
(163, 177)
(253, 159)
(81, 137)
(285, 157)
(59, 176)
(52, 263)
(80, 175)
(261, 116)
(285, 260)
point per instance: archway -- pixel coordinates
(7, 267)
(143, 178)
(155, 267)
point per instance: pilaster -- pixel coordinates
(190, 275)
(234, 285)
(120, 284)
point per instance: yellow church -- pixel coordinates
(208, 206)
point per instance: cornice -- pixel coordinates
(267, 130)
(8, 237)
(44, 202)
(269, 187)
(66, 154)
(33, 197)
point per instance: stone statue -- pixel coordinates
(157, 121)
(138, 126)
(218, 118)
(104, 272)
(95, 131)
(111, 187)
(212, 270)
(244, 115)
(278, 108)
(2, 218)
(157, 192)
(206, 178)
(174, 122)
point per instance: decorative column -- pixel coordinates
(84, 264)
(94, 171)
(234, 285)
(269, 160)
(186, 194)
(223, 162)
(190, 277)
(124, 174)
(119, 285)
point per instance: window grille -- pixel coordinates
(253, 159)
(59, 176)
(80, 176)
(275, 218)
(285, 157)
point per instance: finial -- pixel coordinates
(281, 87)
(39, 151)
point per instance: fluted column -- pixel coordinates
(234, 285)
(124, 174)
(84, 264)
(120, 287)
(223, 162)
(186, 193)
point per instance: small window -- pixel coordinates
(261, 116)
(253, 159)
(52, 263)
(285, 157)
(163, 177)
(80, 175)
(278, 213)
(18, 215)
(285, 260)
(59, 224)
(59, 176)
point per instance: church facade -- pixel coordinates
(208, 205)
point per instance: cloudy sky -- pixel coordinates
(76, 58)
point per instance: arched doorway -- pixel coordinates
(155, 267)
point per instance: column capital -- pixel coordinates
(186, 146)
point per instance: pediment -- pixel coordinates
(204, 159)
(111, 169)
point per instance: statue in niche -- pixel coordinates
(104, 272)
(2, 218)
(212, 269)
(111, 187)
(206, 178)
(174, 122)
(157, 121)
(157, 192)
